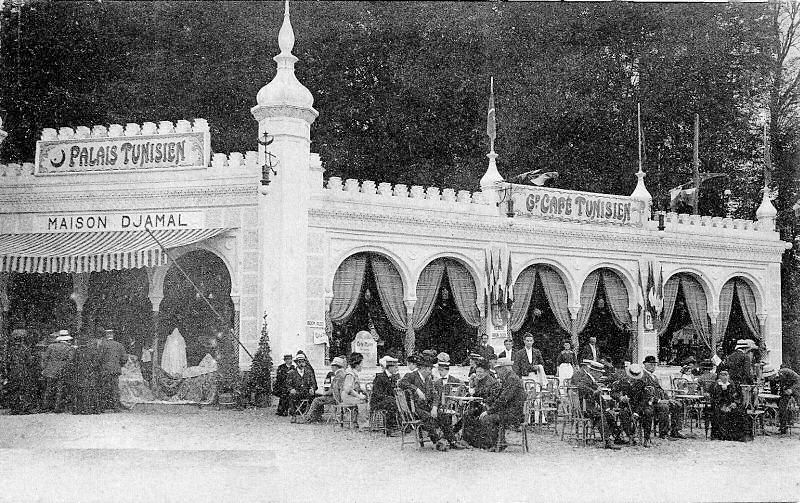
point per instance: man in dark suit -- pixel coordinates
(280, 390)
(484, 349)
(590, 351)
(508, 352)
(586, 380)
(740, 362)
(663, 406)
(113, 357)
(419, 384)
(506, 407)
(300, 382)
(383, 389)
(56, 362)
(528, 359)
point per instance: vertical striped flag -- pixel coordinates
(491, 121)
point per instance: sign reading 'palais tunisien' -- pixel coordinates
(163, 151)
(129, 221)
(577, 206)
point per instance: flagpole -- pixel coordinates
(492, 136)
(767, 158)
(696, 159)
(639, 133)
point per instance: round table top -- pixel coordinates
(689, 397)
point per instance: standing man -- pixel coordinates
(785, 383)
(740, 362)
(528, 359)
(590, 351)
(301, 383)
(484, 349)
(113, 357)
(505, 408)
(508, 352)
(663, 406)
(88, 363)
(56, 365)
(281, 391)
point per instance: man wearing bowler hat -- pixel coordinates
(506, 407)
(663, 406)
(112, 358)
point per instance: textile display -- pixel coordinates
(617, 298)
(670, 294)
(173, 359)
(697, 306)
(747, 301)
(725, 305)
(428, 285)
(588, 295)
(556, 293)
(132, 387)
(523, 293)
(347, 284)
(465, 293)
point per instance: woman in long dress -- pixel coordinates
(352, 393)
(729, 419)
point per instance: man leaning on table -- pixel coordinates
(786, 384)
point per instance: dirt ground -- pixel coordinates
(253, 455)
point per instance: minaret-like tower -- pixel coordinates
(285, 113)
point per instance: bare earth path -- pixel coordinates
(253, 455)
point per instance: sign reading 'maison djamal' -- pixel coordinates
(128, 221)
(578, 206)
(164, 151)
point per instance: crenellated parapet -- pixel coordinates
(414, 196)
(235, 163)
(128, 130)
(708, 225)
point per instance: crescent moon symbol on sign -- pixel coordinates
(61, 162)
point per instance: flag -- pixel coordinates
(640, 289)
(544, 178)
(650, 284)
(491, 121)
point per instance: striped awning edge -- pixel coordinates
(93, 251)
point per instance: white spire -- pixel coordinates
(492, 176)
(285, 89)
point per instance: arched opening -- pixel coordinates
(188, 310)
(540, 307)
(41, 304)
(737, 318)
(446, 292)
(605, 297)
(118, 300)
(685, 328)
(367, 295)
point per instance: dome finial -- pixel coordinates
(286, 35)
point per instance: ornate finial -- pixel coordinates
(286, 35)
(492, 176)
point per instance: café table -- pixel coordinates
(462, 402)
(687, 400)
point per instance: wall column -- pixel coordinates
(80, 294)
(410, 335)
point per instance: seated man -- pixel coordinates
(586, 380)
(505, 408)
(300, 382)
(426, 400)
(332, 384)
(634, 403)
(448, 385)
(482, 385)
(383, 390)
(663, 406)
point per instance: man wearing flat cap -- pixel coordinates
(56, 362)
(505, 407)
(301, 383)
(280, 390)
(383, 386)
(331, 385)
(740, 362)
(785, 383)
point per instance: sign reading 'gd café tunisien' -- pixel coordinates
(577, 206)
(127, 153)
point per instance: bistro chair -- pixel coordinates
(408, 420)
(378, 423)
(527, 410)
(579, 425)
(343, 414)
(752, 405)
(545, 408)
(794, 415)
(299, 410)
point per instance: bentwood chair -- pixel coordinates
(752, 405)
(409, 422)
(343, 414)
(527, 410)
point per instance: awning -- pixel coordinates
(93, 251)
